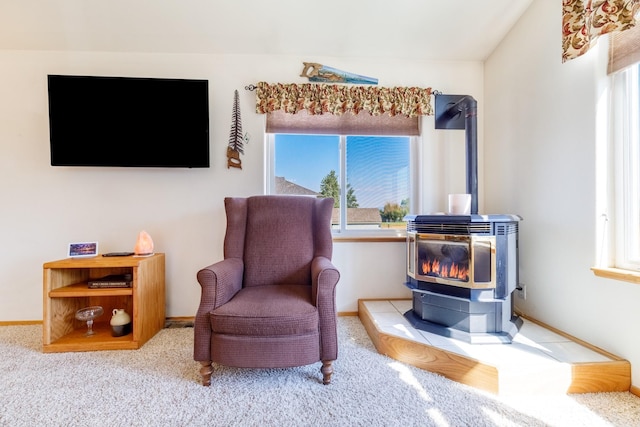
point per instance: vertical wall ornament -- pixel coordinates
(236, 138)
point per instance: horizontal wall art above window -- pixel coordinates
(323, 74)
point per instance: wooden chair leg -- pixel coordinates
(205, 371)
(326, 370)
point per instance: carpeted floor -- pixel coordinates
(158, 385)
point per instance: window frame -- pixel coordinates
(414, 183)
(625, 197)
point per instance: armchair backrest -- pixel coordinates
(277, 237)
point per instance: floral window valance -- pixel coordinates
(584, 20)
(339, 99)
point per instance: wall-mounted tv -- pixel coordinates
(128, 121)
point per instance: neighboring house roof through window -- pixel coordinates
(287, 187)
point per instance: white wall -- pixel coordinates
(44, 208)
(540, 145)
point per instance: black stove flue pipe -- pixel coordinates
(460, 112)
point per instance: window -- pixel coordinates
(369, 177)
(626, 168)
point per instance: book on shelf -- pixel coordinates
(111, 281)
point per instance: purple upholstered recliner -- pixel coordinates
(270, 303)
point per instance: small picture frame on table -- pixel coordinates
(82, 249)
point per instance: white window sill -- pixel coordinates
(617, 274)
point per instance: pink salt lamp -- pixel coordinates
(144, 244)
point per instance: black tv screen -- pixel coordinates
(128, 121)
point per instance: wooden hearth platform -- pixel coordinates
(539, 360)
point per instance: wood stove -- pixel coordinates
(462, 270)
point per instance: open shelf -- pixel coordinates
(83, 290)
(66, 290)
(76, 340)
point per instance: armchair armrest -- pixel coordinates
(219, 282)
(325, 277)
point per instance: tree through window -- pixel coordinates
(374, 170)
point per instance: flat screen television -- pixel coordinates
(128, 121)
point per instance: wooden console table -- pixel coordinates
(66, 291)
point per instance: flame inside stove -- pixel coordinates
(445, 270)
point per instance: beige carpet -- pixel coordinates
(158, 385)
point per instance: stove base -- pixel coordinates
(477, 322)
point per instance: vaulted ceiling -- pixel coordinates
(466, 30)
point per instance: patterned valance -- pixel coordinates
(584, 20)
(339, 99)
